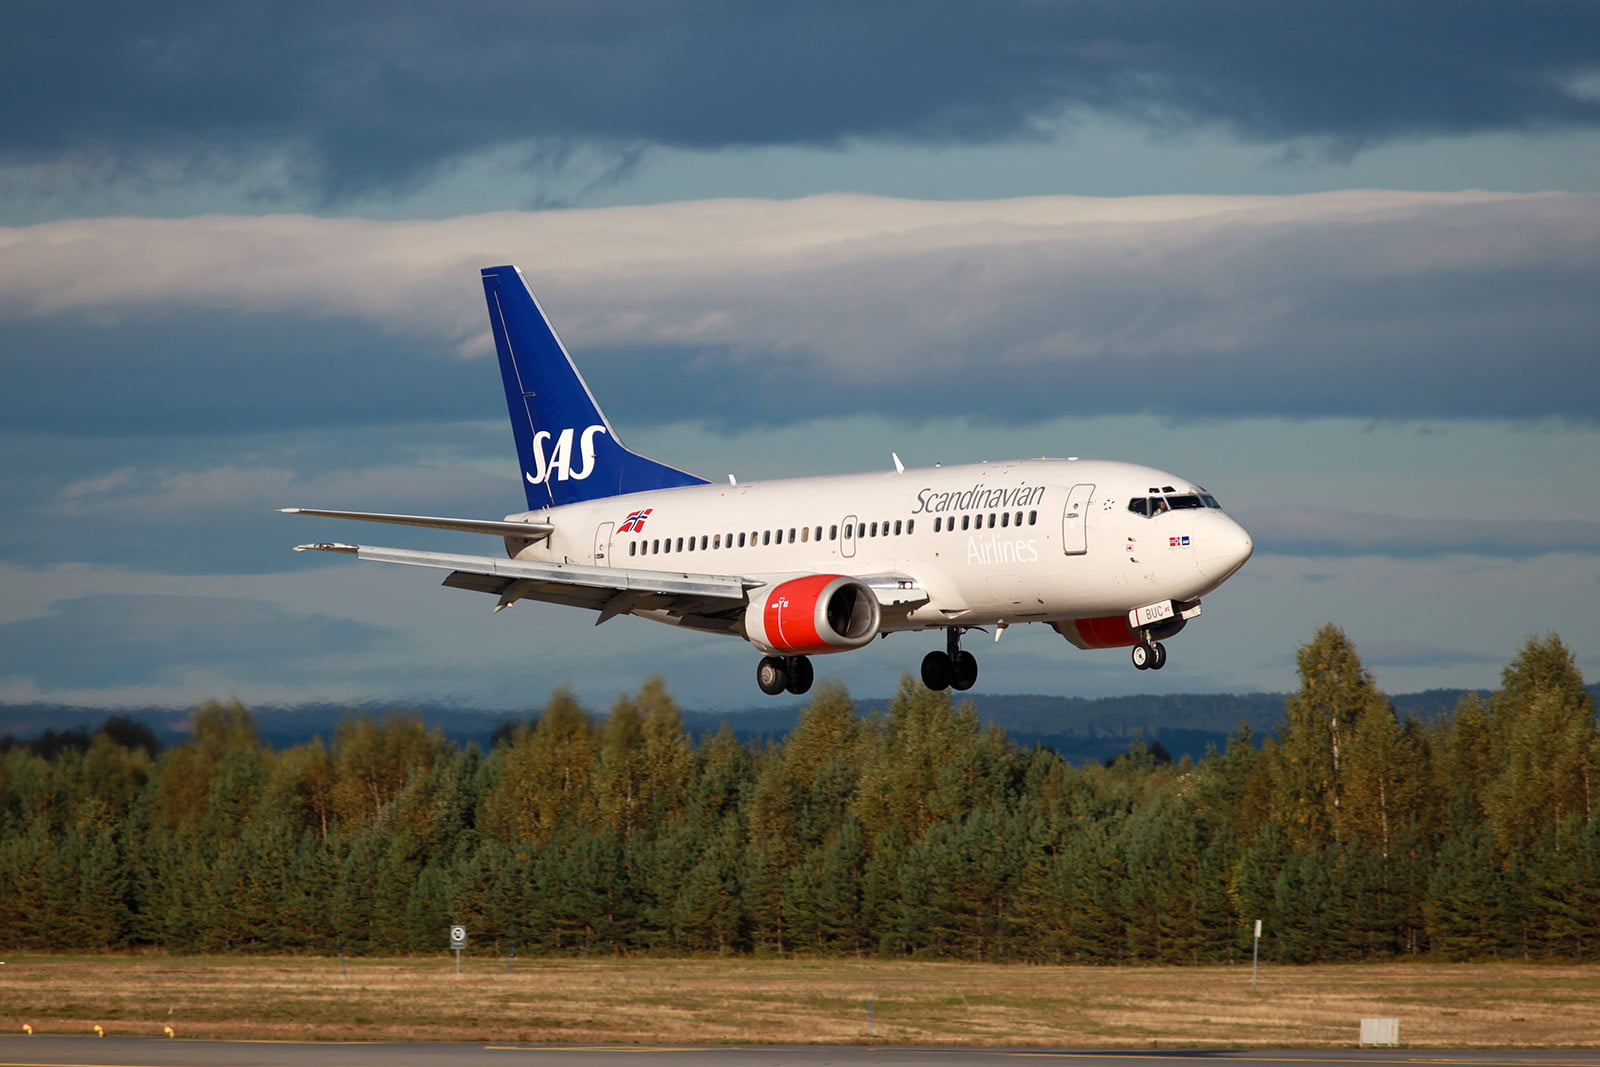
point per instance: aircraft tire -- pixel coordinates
(937, 671)
(1160, 658)
(771, 676)
(1143, 655)
(964, 670)
(800, 673)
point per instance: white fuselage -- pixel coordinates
(989, 543)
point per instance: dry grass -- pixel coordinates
(799, 1001)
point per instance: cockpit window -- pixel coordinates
(1151, 506)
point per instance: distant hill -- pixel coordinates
(1081, 729)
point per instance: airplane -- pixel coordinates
(1108, 554)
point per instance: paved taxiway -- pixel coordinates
(54, 1050)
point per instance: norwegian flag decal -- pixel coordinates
(635, 523)
(1178, 542)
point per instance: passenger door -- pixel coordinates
(1074, 520)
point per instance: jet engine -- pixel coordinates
(1114, 631)
(812, 615)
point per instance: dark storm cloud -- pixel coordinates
(366, 95)
(118, 640)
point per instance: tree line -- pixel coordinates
(916, 832)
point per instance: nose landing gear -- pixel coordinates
(954, 668)
(1149, 655)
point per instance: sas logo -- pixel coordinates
(557, 462)
(635, 523)
(1178, 542)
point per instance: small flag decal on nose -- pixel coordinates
(1178, 542)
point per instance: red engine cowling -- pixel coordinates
(1113, 631)
(812, 615)
(1109, 631)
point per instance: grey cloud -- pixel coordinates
(1328, 532)
(1361, 304)
(364, 95)
(200, 505)
(126, 640)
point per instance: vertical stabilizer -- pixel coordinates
(567, 448)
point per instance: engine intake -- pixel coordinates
(813, 615)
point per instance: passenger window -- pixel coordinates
(716, 542)
(805, 534)
(791, 535)
(991, 520)
(874, 529)
(766, 537)
(1005, 518)
(833, 533)
(655, 547)
(1033, 518)
(896, 527)
(849, 530)
(633, 547)
(911, 524)
(965, 519)
(936, 524)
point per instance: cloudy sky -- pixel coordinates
(1337, 262)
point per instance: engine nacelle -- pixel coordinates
(1116, 631)
(812, 615)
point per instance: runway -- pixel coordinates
(60, 1051)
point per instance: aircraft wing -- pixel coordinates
(699, 601)
(531, 531)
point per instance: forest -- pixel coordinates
(917, 832)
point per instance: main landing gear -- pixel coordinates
(1149, 655)
(778, 674)
(953, 668)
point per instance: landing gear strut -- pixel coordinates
(777, 674)
(953, 668)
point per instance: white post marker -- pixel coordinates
(458, 942)
(1255, 955)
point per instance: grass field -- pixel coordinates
(798, 1001)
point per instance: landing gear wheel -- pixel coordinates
(1160, 659)
(771, 675)
(800, 674)
(964, 670)
(937, 671)
(1144, 655)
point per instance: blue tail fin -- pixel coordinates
(567, 448)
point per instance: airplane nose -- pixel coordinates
(1225, 548)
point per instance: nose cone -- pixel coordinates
(1223, 549)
